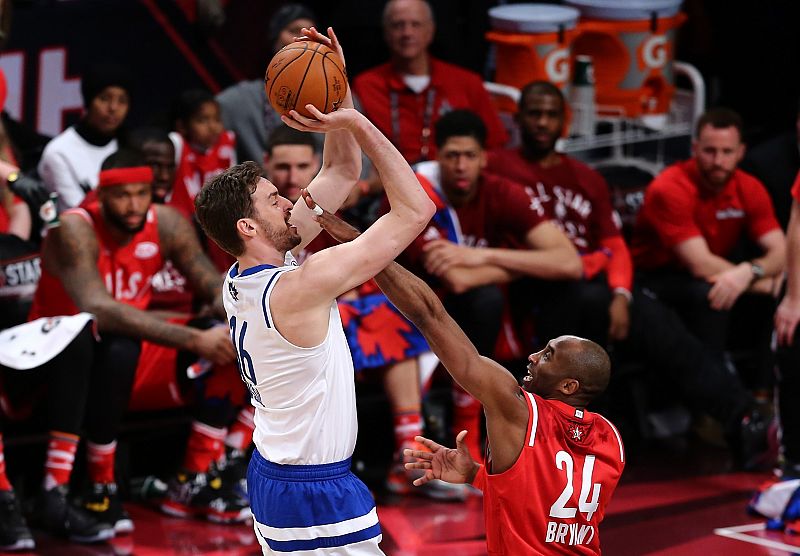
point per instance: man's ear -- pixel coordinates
(569, 386)
(246, 227)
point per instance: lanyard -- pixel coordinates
(427, 117)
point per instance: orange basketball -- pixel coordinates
(305, 73)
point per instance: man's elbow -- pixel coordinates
(425, 212)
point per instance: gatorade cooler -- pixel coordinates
(533, 42)
(631, 43)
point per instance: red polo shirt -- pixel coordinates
(675, 209)
(451, 87)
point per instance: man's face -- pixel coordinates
(408, 29)
(292, 30)
(204, 127)
(546, 368)
(541, 121)
(125, 206)
(717, 152)
(107, 110)
(291, 168)
(161, 158)
(461, 160)
(271, 218)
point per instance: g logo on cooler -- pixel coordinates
(654, 51)
(556, 65)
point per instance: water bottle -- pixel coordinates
(582, 98)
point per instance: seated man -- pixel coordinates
(406, 96)
(101, 260)
(695, 215)
(463, 252)
(45, 366)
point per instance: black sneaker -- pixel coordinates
(104, 503)
(233, 470)
(59, 517)
(14, 532)
(749, 441)
(204, 495)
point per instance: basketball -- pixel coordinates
(305, 73)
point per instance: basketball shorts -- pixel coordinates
(311, 510)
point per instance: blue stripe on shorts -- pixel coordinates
(304, 507)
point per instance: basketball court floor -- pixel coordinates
(674, 500)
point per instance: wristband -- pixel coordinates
(624, 293)
(317, 210)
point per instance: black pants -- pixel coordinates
(661, 339)
(61, 384)
(788, 383)
(556, 308)
(115, 362)
(479, 313)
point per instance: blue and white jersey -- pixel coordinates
(304, 397)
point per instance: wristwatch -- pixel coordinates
(757, 270)
(12, 177)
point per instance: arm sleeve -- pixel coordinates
(620, 265)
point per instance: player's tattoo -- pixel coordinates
(70, 253)
(179, 244)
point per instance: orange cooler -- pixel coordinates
(533, 42)
(631, 44)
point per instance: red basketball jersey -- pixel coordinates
(195, 168)
(127, 270)
(552, 500)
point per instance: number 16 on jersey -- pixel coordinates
(244, 361)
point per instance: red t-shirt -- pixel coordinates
(195, 168)
(127, 270)
(675, 210)
(5, 219)
(571, 193)
(796, 188)
(450, 87)
(501, 214)
(552, 500)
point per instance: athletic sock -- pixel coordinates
(467, 416)
(60, 458)
(407, 425)
(101, 462)
(240, 434)
(4, 482)
(206, 444)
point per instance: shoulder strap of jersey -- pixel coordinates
(271, 281)
(533, 417)
(617, 435)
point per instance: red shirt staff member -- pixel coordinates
(407, 95)
(694, 215)
(786, 319)
(552, 465)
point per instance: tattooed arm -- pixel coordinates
(180, 245)
(70, 253)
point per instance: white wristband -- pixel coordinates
(624, 293)
(318, 210)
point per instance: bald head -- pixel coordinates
(408, 28)
(588, 363)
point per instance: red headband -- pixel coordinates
(122, 176)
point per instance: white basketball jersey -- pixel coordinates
(304, 397)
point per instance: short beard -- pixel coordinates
(281, 239)
(120, 224)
